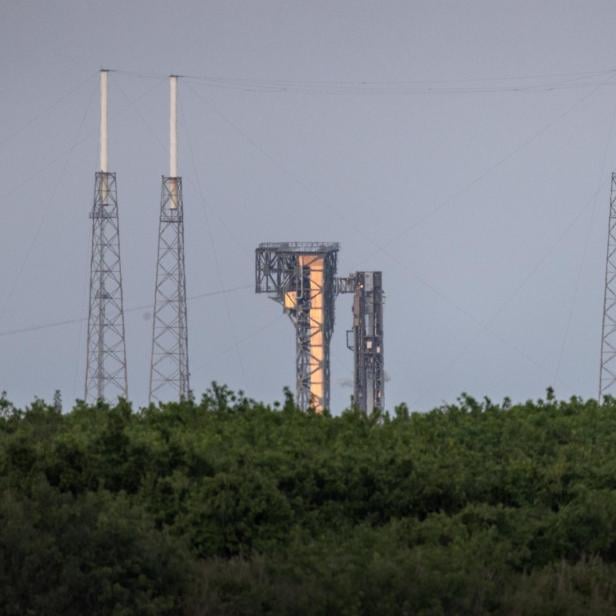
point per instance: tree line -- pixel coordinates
(228, 506)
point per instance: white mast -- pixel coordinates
(173, 126)
(103, 129)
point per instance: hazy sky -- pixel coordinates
(463, 148)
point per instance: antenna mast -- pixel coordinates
(106, 375)
(169, 374)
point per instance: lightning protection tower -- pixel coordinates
(607, 372)
(301, 277)
(106, 376)
(365, 338)
(169, 375)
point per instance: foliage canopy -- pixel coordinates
(228, 506)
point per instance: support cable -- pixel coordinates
(368, 238)
(221, 281)
(501, 161)
(43, 219)
(44, 112)
(527, 83)
(53, 324)
(578, 279)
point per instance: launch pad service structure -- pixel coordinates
(301, 276)
(365, 338)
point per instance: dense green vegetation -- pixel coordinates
(227, 506)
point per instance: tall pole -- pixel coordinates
(169, 373)
(103, 141)
(173, 126)
(106, 373)
(104, 159)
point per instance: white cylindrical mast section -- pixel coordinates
(173, 126)
(104, 153)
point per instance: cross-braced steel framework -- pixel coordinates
(365, 339)
(607, 373)
(106, 376)
(169, 374)
(301, 277)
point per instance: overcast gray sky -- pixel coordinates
(463, 148)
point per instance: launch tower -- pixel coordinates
(301, 277)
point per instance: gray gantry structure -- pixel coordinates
(169, 374)
(106, 376)
(365, 338)
(607, 371)
(301, 277)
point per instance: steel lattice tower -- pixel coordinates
(607, 373)
(300, 276)
(106, 376)
(169, 374)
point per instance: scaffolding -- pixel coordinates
(301, 277)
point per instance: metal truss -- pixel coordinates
(607, 373)
(169, 374)
(106, 376)
(301, 277)
(365, 339)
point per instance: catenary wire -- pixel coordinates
(527, 83)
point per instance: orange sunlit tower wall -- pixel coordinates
(308, 305)
(316, 325)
